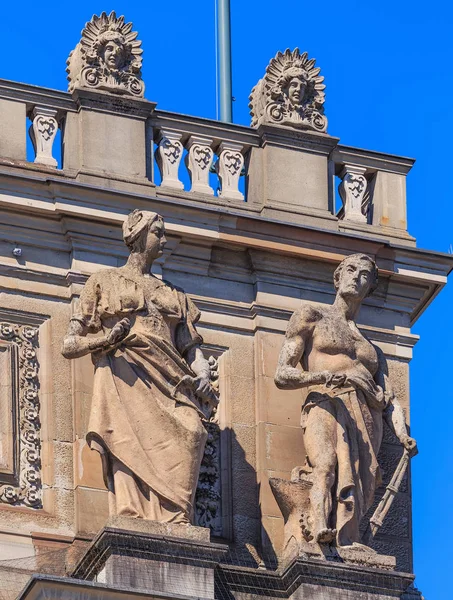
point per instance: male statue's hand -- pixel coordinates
(410, 444)
(118, 331)
(335, 380)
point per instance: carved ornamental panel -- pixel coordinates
(20, 443)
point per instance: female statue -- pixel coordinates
(151, 383)
(349, 396)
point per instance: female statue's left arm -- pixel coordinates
(393, 412)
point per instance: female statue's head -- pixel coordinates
(294, 84)
(144, 233)
(356, 276)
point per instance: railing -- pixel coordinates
(207, 158)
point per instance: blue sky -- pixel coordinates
(389, 76)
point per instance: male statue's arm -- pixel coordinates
(288, 376)
(393, 413)
(76, 344)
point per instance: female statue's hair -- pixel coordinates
(136, 224)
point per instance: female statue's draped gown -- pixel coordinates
(152, 439)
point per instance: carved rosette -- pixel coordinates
(108, 57)
(291, 93)
(352, 190)
(29, 490)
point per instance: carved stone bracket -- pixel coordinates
(198, 162)
(353, 188)
(228, 168)
(23, 340)
(42, 133)
(169, 154)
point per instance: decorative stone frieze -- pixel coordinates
(108, 57)
(42, 133)
(353, 188)
(290, 93)
(24, 487)
(198, 162)
(229, 167)
(208, 511)
(168, 156)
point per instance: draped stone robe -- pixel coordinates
(134, 417)
(353, 415)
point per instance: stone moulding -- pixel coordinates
(27, 490)
(108, 57)
(291, 93)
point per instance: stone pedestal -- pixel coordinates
(293, 500)
(152, 557)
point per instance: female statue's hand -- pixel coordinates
(205, 391)
(118, 331)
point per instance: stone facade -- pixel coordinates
(247, 256)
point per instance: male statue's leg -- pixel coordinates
(319, 440)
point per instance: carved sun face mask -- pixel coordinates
(114, 54)
(296, 91)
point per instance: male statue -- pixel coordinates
(151, 383)
(349, 396)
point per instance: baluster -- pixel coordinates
(42, 133)
(198, 162)
(169, 154)
(352, 191)
(228, 168)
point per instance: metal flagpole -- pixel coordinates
(224, 60)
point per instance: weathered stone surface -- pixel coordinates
(290, 93)
(152, 446)
(349, 396)
(108, 57)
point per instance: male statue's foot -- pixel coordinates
(326, 536)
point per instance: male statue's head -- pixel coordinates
(144, 233)
(356, 277)
(112, 50)
(294, 85)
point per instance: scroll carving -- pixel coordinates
(27, 489)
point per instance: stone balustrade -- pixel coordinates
(277, 172)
